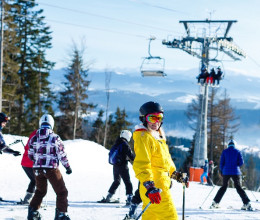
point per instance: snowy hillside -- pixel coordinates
(90, 180)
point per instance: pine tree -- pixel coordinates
(115, 125)
(10, 65)
(228, 124)
(73, 100)
(250, 178)
(97, 134)
(34, 94)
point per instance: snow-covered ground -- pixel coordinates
(90, 180)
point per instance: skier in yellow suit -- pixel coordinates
(153, 164)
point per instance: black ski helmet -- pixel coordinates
(148, 108)
(3, 117)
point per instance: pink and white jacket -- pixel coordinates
(46, 149)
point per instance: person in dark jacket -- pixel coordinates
(230, 162)
(122, 170)
(219, 75)
(204, 74)
(3, 147)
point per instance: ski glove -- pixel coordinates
(152, 193)
(178, 176)
(16, 153)
(68, 170)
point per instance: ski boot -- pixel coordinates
(109, 199)
(132, 210)
(247, 207)
(33, 214)
(127, 217)
(27, 199)
(128, 200)
(61, 215)
(214, 205)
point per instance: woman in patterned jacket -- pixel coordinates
(46, 149)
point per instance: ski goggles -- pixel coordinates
(154, 117)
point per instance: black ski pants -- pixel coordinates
(30, 174)
(240, 191)
(121, 171)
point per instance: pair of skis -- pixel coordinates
(13, 202)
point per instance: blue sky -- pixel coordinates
(116, 32)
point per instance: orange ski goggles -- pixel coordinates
(154, 117)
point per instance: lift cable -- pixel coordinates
(105, 17)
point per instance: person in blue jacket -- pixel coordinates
(230, 162)
(205, 172)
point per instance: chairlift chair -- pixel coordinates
(152, 66)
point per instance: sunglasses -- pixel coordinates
(154, 117)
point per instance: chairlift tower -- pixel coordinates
(202, 36)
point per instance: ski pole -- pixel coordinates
(184, 176)
(207, 196)
(209, 193)
(22, 143)
(183, 203)
(15, 142)
(142, 212)
(245, 181)
(254, 195)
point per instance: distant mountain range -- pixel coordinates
(173, 91)
(129, 90)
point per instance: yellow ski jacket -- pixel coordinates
(153, 159)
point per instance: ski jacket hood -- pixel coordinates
(230, 162)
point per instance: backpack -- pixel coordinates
(115, 154)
